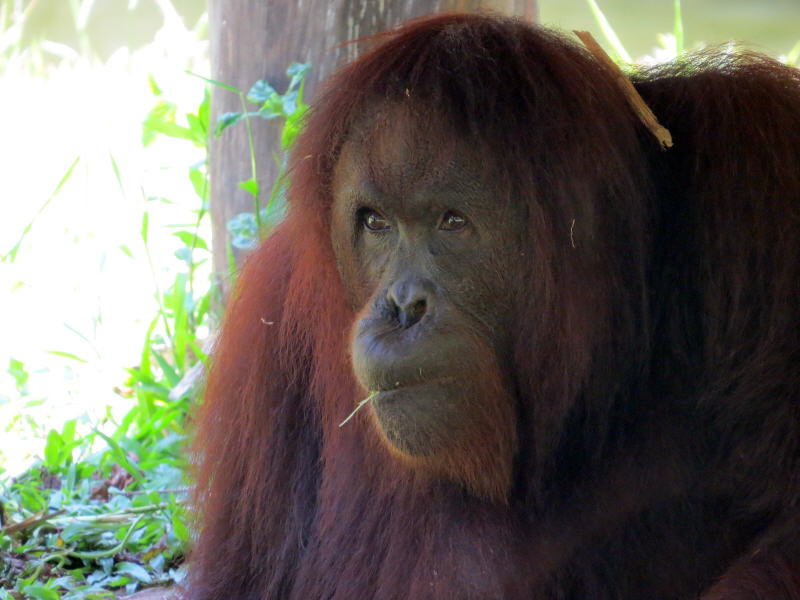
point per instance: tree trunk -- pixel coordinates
(259, 39)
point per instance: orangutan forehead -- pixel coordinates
(389, 166)
(396, 148)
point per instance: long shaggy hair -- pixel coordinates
(656, 358)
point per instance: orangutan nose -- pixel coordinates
(410, 300)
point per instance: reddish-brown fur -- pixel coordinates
(656, 360)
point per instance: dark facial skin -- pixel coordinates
(427, 250)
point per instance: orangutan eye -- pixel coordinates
(452, 221)
(374, 221)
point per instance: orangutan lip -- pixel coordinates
(401, 386)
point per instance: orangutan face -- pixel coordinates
(427, 249)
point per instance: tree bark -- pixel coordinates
(259, 39)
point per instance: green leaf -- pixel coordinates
(161, 119)
(199, 183)
(184, 254)
(226, 120)
(226, 86)
(260, 92)
(169, 372)
(163, 112)
(125, 424)
(32, 499)
(144, 361)
(68, 432)
(198, 130)
(122, 458)
(191, 239)
(289, 103)
(250, 186)
(146, 383)
(117, 174)
(181, 332)
(76, 531)
(179, 527)
(52, 450)
(39, 592)
(293, 126)
(153, 85)
(297, 72)
(16, 368)
(244, 230)
(72, 476)
(201, 310)
(271, 110)
(145, 226)
(198, 351)
(67, 355)
(204, 111)
(172, 130)
(298, 69)
(136, 571)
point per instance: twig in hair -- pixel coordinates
(637, 102)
